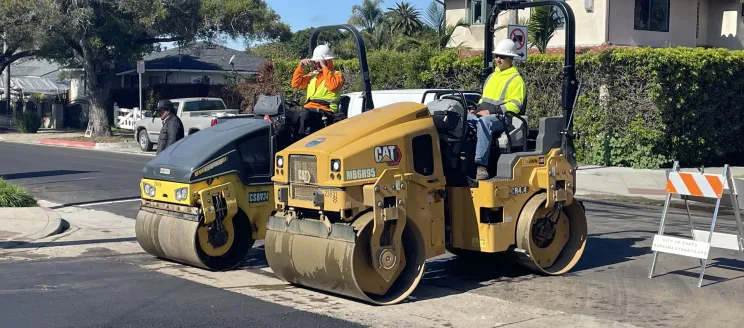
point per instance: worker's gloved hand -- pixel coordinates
(305, 62)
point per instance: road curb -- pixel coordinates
(86, 144)
(55, 225)
(677, 203)
(67, 143)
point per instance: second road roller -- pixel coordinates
(362, 204)
(205, 199)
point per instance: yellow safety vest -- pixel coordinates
(322, 93)
(499, 90)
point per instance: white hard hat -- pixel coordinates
(322, 52)
(506, 47)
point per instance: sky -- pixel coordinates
(321, 12)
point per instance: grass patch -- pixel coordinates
(15, 196)
(111, 139)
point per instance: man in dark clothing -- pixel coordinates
(172, 130)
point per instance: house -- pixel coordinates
(653, 23)
(35, 76)
(201, 62)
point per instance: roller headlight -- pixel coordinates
(335, 165)
(149, 189)
(279, 162)
(181, 193)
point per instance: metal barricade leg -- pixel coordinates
(712, 229)
(735, 203)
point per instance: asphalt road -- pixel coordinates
(72, 176)
(611, 280)
(92, 292)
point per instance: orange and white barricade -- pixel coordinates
(704, 185)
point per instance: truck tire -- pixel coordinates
(144, 140)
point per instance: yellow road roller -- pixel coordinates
(362, 204)
(205, 199)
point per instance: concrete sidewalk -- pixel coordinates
(640, 185)
(20, 225)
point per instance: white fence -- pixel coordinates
(126, 117)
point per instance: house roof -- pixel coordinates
(200, 56)
(36, 68)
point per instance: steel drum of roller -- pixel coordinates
(304, 253)
(188, 242)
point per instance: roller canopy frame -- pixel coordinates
(570, 86)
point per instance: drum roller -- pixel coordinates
(303, 252)
(190, 242)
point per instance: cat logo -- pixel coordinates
(388, 154)
(304, 176)
(258, 197)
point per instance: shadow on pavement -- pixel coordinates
(15, 245)
(729, 265)
(41, 174)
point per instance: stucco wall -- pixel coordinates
(591, 26)
(682, 18)
(725, 24)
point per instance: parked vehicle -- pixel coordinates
(196, 114)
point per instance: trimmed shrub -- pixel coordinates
(27, 121)
(15, 196)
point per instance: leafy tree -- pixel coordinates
(99, 36)
(23, 26)
(436, 19)
(405, 18)
(367, 15)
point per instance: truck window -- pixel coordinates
(203, 105)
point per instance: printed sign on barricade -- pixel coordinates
(705, 185)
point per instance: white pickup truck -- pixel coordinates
(196, 114)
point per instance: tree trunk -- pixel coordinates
(98, 85)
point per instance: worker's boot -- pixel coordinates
(482, 173)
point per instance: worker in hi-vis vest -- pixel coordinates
(503, 91)
(323, 86)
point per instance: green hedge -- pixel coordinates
(639, 107)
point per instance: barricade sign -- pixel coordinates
(705, 185)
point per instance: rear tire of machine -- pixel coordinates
(571, 251)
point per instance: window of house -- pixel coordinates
(477, 13)
(255, 151)
(423, 156)
(200, 79)
(651, 15)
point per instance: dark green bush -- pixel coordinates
(639, 107)
(27, 121)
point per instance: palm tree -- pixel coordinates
(436, 19)
(405, 18)
(367, 15)
(542, 25)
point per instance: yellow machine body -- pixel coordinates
(363, 203)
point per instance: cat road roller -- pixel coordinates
(362, 204)
(205, 199)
